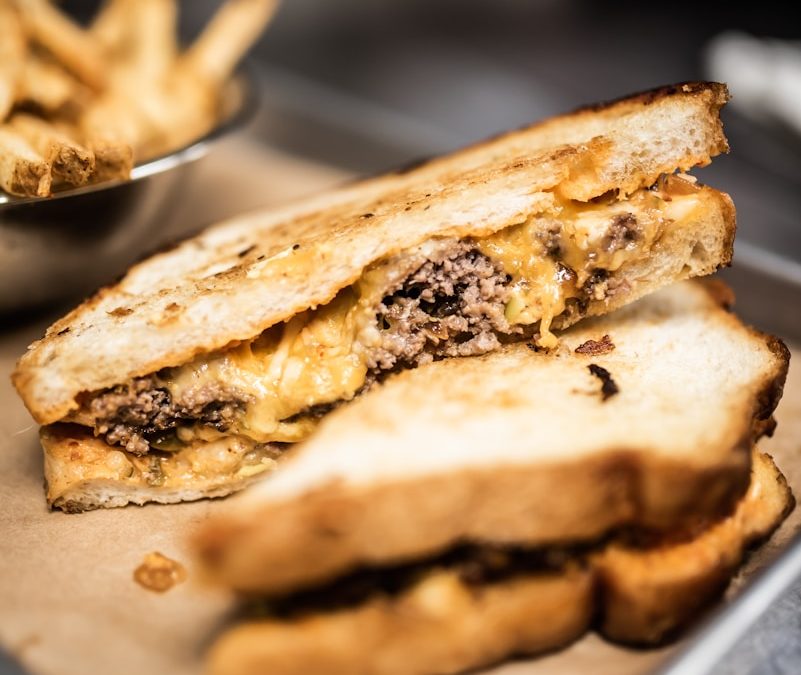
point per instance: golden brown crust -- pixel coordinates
(203, 295)
(717, 92)
(444, 624)
(82, 473)
(330, 531)
(649, 594)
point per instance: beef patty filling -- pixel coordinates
(449, 307)
(452, 305)
(135, 416)
(443, 298)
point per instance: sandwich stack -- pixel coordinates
(485, 407)
(476, 508)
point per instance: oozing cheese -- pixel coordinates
(308, 361)
(543, 280)
(319, 356)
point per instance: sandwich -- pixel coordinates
(190, 377)
(479, 605)
(472, 509)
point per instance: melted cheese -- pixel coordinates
(308, 361)
(319, 357)
(234, 456)
(226, 462)
(546, 274)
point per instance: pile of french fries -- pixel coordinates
(82, 105)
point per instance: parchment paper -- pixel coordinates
(68, 602)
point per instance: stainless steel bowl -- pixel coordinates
(55, 247)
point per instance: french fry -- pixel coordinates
(110, 25)
(63, 38)
(12, 57)
(152, 31)
(70, 162)
(49, 88)
(22, 170)
(117, 116)
(140, 38)
(113, 160)
(230, 33)
(80, 105)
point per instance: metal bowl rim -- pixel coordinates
(234, 120)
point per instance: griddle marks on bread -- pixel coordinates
(608, 386)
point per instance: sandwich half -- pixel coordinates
(643, 418)
(189, 377)
(481, 604)
(476, 508)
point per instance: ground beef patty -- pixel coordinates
(128, 414)
(451, 306)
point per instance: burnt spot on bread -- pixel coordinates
(295, 247)
(245, 251)
(609, 387)
(718, 90)
(71, 506)
(770, 395)
(64, 331)
(367, 216)
(596, 347)
(120, 311)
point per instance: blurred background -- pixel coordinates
(356, 87)
(414, 77)
(369, 85)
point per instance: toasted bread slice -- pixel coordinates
(650, 593)
(78, 474)
(446, 621)
(83, 473)
(236, 280)
(649, 426)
